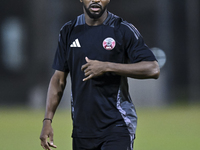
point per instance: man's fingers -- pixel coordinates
(52, 145)
(45, 146)
(84, 67)
(87, 73)
(87, 78)
(87, 70)
(44, 143)
(87, 59)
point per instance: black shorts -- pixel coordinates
(111, 142)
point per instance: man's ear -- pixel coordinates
(81, 1)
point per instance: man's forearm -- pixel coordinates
(54, 95)
(141, 70)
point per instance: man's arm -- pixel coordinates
(54, 95)
(140, 70)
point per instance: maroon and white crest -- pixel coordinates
(109, 43)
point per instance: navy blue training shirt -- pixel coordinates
(101, 105)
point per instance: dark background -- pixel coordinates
(26, 56)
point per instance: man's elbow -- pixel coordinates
(155, 71)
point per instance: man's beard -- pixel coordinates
(94, 16)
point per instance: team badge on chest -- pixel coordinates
(109, 43)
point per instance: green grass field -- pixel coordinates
(174, 128)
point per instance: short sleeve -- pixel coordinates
(60, 58)
(135, 47)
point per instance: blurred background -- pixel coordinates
(29, 34)
(168, 108)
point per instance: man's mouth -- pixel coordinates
(95, 7)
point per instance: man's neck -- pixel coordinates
(95, 22)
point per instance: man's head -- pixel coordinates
(95, 8)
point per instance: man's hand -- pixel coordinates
(47, 132)
(93, 68)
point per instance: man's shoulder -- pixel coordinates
(67, 24)
(128, 28)
(118, 22)
(112, 20)
(79, 20)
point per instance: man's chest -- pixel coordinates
(100, 43)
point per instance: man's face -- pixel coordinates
(95, 8)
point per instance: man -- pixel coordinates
(99, 50)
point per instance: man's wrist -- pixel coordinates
(47, 119)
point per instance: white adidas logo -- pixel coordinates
(75, 43)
